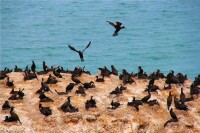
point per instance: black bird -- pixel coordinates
(153, 102)
(174, 118)
(45, 68)
(77, 81)
(139, 102)
(146, 98)
(159, 74)
(16, 69)
(8, 83)
(105, 71)
(8, 119)
(118, 26)
(180, 106)
(169, 100)
(80, 52)
(182, 96)
(51, 80)
(135, 103)
(33, 66)
(140, 71)
(114, 71)
(14, 116)
(69, 87)
(115, 105)
(117, 91)
(13, 91)
(100, 79)
(90, 103)
(57, 74)
(151, 82)
(44, 98)
(66, 104)
(45, 87)
(6, 105)
(81, 90)
(45, 110)
(89, 85)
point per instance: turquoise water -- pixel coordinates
(162, 34)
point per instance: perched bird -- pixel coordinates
(118, 26)
(8, 83)
(182, 96)
(77, 81)
(153, 102)
(114, 70)
(13, 115)
(146, 98)
(90, 103)
(100, 79)
(45, 110)
(33, 66)
(6, 105)
(115, 105)
(173, 116)
(16, 69)
(89, 85)
(69, 87)
(66, 104)
(81, 90)
(80, 52)
(169, 100)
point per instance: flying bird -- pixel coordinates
(80, 52)
(118, 26)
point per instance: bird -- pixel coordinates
(146, 98)
(33, 66)
(45, 110)
(6, 105)
(174, 117)
(100, 79)
(66, 104)
(118, 26)
(151, 82)
(16, 69)
(57, 74)
(115, 105)
(182, 96)
(8, 83)
(77, 81)
(114, 70)
(14, 116)
(169, 100)
(80, 52)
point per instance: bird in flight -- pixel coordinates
(118, 26)
(80, 52)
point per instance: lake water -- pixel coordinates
(162, 34)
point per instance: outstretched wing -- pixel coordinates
(111, 23)
(119, 23)
(86, 46)
(72, 48)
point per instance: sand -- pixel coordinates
(124, 119)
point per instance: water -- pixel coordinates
(160, 34)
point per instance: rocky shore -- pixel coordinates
(101, 119)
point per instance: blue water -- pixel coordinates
(162, 34)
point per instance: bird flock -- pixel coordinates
(55, 73)
(125, 78)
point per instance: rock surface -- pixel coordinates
(100, 119)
